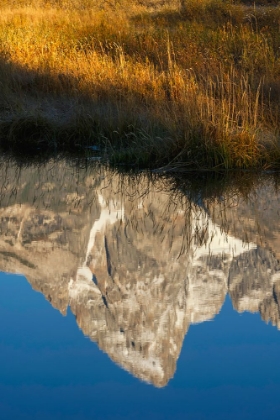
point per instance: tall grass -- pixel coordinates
(153, 83)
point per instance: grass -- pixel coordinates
(161, 84)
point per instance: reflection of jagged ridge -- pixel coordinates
(254, 281)
(150, 263)
(45, 217)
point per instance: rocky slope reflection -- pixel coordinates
(136, 262)
(254, 278)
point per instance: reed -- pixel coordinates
(157, 84)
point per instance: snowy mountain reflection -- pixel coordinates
(136, 261)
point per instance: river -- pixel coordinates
(138, 295)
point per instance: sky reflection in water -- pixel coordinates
(227, 368)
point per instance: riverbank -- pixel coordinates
(147, 84)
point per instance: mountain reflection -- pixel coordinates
(136, 261)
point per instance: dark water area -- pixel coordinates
(138, 296)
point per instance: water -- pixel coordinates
(136, 296)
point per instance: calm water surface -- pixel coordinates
(126, 297)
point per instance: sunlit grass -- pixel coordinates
(154, 83)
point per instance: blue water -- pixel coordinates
(229, 368)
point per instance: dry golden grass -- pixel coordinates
(153, 82)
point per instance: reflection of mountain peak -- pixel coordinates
(136, 264)
(148, 290)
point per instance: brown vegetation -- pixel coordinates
(152, 83)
